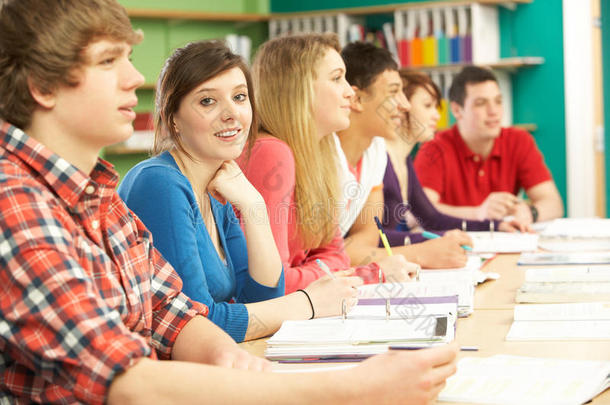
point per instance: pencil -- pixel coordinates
(384, 239)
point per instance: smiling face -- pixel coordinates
(213, 120)
(99, 110)
(480, 117)
(332, 95)
(424, 114)
(384, 105)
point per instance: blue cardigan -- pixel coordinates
(158, 193)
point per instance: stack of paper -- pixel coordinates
(568, 274)
(367, 330)
(576, 234)
(565, 284)
(503, 242)
(578, 321)
(504, 379)
(578, 228)
(472, 271)
(545, 259)
(463, 288)
(563, 292)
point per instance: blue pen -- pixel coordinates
(431, 235)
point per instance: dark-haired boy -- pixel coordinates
(377, 113)
(476, 168)
(87, 305)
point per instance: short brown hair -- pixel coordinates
(185, 69)
(412, 80)
(468, 75)
(44, 41)
(364, 62)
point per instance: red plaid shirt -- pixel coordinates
(83, 294)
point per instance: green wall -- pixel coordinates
(224, 6)
(536, 29)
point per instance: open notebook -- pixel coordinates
(463, 287)
(504, 379)
(472, 271)
(576, 321)
(367, 330)
(503, 242)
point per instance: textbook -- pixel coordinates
(503, 242)
(548, 292)
(463, 288)
(540, 259)
(504, 379)
(575, 228)
(576, 321)
(576, 235)
(370, 328)
(565, 274)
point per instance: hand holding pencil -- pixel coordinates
(395, 267)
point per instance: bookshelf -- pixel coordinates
(390, 8)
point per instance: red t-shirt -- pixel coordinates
(462, 178)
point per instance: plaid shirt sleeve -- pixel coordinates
(172, 309)
(53, 318)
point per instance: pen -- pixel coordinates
(462, 348)
(324, 267)
(431, 235)
(386, 244)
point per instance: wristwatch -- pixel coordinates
(534, 212)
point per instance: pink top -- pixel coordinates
(271, 170)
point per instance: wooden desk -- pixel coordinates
(487, 327)
(500, 294)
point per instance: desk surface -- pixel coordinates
(488, 325)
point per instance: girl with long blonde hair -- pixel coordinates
(302, 98)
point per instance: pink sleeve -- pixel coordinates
(335, 257)
(270, 169)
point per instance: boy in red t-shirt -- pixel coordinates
(475, 169)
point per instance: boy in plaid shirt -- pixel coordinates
(87, 306)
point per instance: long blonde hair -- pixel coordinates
(283, 72)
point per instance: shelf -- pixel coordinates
(255, 17)
(148, 86)
(503, 64)
(390, 8)
(195, 15)
(527, 127)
